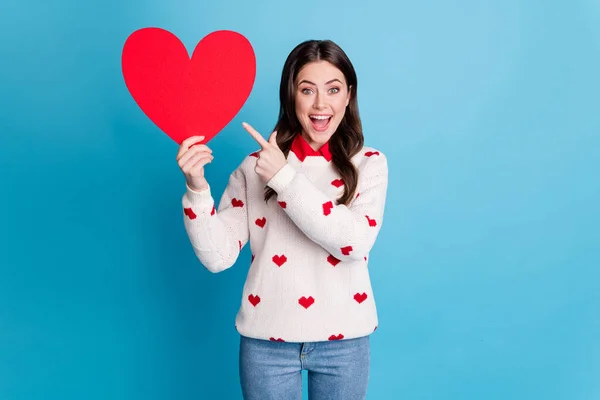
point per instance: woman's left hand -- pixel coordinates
(270, 158)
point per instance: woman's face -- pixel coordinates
(321, 98)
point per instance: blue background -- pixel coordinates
(486, 271)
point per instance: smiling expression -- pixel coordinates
(321, 98)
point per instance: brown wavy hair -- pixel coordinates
(348, 139)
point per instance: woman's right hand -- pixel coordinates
(192, 157)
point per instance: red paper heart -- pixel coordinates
(187, 96)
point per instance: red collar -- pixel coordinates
(302, 149)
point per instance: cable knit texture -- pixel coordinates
(308, 278)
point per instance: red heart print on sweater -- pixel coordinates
(371, 153)
(337, 183)
(190, 213)
(185, 95)
(282, 204)
(306, 302)
(360, 297)
(272, 339)
(332, 260)
(372, 222)
(279, 260)
(261, 222)
(237, 203)
(336, 337)
(327, 208)
(346, 250)
(254, 300)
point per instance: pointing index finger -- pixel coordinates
(257, 136)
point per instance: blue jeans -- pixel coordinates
(337, 369)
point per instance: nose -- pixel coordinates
(319, 101)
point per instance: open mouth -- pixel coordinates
(320, 123)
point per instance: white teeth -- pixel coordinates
(320, 117)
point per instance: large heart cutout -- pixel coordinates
(187, 96)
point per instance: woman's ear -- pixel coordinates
(349, 95)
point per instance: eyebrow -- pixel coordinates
(327, 83)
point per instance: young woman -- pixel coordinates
(310, 202)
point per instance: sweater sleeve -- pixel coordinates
(217, 236)
(346, 232)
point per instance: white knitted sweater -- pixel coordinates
(308, 279)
